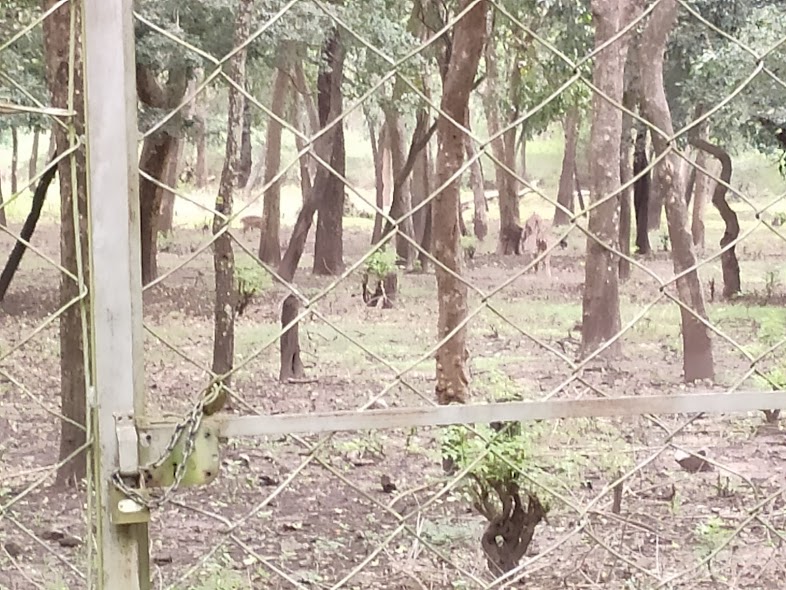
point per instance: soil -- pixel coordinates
(371, 509)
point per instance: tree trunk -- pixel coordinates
(3, 216)
(504, 150)
(270, 239)
(32, 165)
(329, 240)
(401, 203)
(697, 345)
(157, 150)
(702, 189)
(480, 221)
(246, 164)
(729, 263)
(626, 174)
(300, 121)
(50, 151)
(655, 203)
(200, 167)
(166, 217)
(377, 151)
(291, 367)
(14, 160)
(523, 151)
(641, 192)
(309, 114)
(223, 254)
(421, 188)
(73, 238)
(567, 181)
(467, 45)
(601, 304)
(329, 98)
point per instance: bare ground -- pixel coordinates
(314, 526)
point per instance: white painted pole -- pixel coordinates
(116, 294)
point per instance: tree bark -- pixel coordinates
(269, 240)
(729, 263)
(329, 239)
(291, 367)
(697, 345)
(73, 237)
(626, 174)
(601, 305)
(467, 45)
(246, 163)
(377, 151)
(421, 189)
(223, 254)
(14, 160)
(641, 192)
(171, 179)
(702, 189)
(329, 95)
(480, 221)
(567, 180)
(32, 165)
(300, 121)
(504, 150)
(157, 150)
(3, 216)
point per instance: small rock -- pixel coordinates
(387, 484)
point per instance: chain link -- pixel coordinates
(190, 425)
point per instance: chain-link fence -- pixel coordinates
(289, 434)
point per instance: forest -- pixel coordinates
(379, 205)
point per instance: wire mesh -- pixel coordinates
(46, 533)
(653, 501)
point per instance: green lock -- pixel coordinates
(125, 511)
(202, 466)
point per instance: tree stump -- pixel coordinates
(385, 291)
(291, 365)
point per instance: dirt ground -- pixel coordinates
(270, 522)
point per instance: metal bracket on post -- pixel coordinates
(126, 511)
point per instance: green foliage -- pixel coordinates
(251, 279)
(381, 263)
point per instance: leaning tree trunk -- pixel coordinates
(702, 189)
(641, 192)
(269, 240)
(697, 345)
(329, 98)
(32, 165)
(157, 150)
(73, 239)
(223, 255)
(567, 180)
(601, 305)
(729, 263)
(300, 122)
(329, 239)
(468, 37)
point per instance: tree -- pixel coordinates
(567, 180)
(601, 305)
(269, 240)
(57, 29)
(697, 345)
(330, 107)
(223, 255)
(467, 45)
(329, 240)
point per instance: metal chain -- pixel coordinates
(190, 425)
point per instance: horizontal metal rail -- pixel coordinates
(156, 432)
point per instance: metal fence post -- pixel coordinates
(115, 269)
